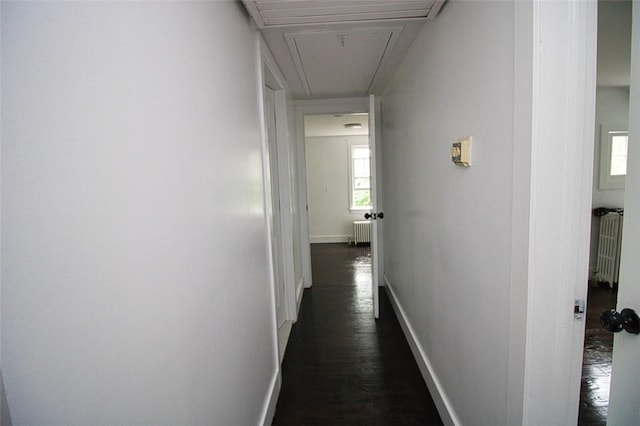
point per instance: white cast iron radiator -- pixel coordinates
(609, 241)
(361, 231)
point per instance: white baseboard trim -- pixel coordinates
(283, 338)
(299, 292)
(443, 404)
(315, 239)
(269, 409)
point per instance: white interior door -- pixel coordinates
(376, 217)
(276, 231)
(624, 400)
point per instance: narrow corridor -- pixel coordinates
(342, 367)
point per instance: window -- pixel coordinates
(619, 144)
(614, 142)
(360, 171)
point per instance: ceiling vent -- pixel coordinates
(273, 13)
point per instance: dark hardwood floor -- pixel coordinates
(596, 363)
(341, 366)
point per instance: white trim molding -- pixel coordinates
(269, 409)
(445, 408)
(323, 239)
(284, 141)
(299, 292)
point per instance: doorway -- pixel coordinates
(339, 188)
(357, 167)
(278, 201)
(612, 117)
(348, 108)
(338, 175)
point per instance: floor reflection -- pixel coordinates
(342, 366)
(338, 316)
(362, 272)
(596, 364)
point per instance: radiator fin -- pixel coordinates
(361, 231)
(609, 242)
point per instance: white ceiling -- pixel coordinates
(338, 48)
(333, 124)
(341, 48)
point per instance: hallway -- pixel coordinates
(341, 365)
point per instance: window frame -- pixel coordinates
(352, 206)
(606, 179)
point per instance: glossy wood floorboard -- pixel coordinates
(596, 362)
(341, 366)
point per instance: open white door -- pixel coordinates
(624, 399)
(377, 214)
(275, 218)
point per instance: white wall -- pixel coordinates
(612, 107)
(135, 282)
(448, 229)
(614, 42)
(330, 219)
(485, 263)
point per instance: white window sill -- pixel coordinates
(359, 209)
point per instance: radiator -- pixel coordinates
(361, 231)
(609, 241)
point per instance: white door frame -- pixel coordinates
(269, 74)
(554, 108)
(272, 201)
(377, 271)
(623, 397)
(379, 241)
(302, 108)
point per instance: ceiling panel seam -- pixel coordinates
(296, 54)
(376, 74)
(297, 59)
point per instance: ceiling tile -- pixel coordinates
(336, 62)
(305, 39)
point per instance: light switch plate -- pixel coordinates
(461, 152)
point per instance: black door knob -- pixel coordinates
(374, 216)
(615, 322)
